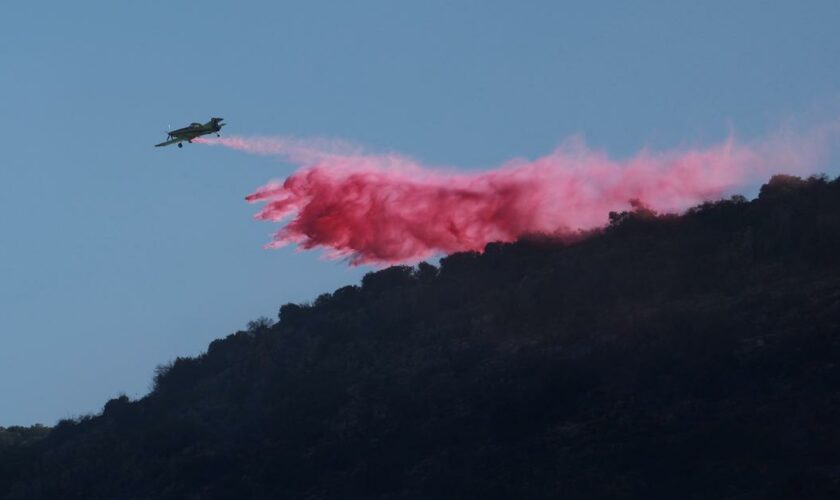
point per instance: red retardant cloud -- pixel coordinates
(385, 209)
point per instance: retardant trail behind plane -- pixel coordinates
(386, 209)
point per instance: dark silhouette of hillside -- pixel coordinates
(693, 356)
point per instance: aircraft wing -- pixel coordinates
(167, 143)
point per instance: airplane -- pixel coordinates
(192, 131)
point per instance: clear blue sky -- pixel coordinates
(116, 256)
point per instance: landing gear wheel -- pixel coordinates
(180, 145)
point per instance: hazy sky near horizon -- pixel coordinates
(116, 256)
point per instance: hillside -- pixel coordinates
(693, 356)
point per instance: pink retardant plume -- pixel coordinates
(384, 209)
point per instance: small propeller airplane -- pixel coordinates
(214, 126)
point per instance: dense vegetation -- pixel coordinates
(692, 356)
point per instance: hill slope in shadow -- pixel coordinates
(689, 356)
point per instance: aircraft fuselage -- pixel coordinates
(194, 130)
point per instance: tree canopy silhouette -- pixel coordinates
(664, 356)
